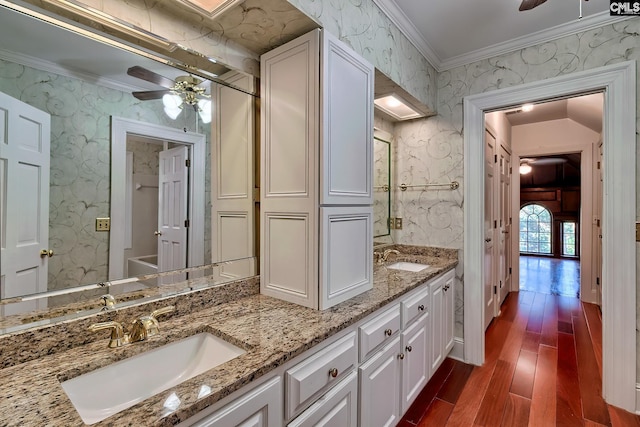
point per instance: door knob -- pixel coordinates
(46, 253)
(158, 233)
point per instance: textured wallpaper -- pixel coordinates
(80, 164)
(362, 25)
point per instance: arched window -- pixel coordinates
(535, 229)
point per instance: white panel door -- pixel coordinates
(347, 125)
(504, 224)
(232, 180)
(24, 198)
(489, 229)
(172, 211)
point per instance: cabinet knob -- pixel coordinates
(446, 288)
(401, 356)
(409, 348)
(158, 233)
(421, 307)
(333, 372)
(388, 332)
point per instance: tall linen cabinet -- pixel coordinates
(316, 169)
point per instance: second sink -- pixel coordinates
(408, 266)
(106, 391)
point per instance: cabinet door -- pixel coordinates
(380, 387)
(337, 408)
(261, 407)
(415, 365)
(437, 323)
(289, 154)
(449, 311)
(346, 161)
(346, 263)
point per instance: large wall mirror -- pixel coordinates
(105, 177)
(382, 185)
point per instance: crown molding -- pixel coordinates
(40, 64)
(544, 36)
(391, 9)
(397, 16)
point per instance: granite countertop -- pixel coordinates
(270, 330)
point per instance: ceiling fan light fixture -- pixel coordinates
(204, 110)
(172, 105)
(525, 168)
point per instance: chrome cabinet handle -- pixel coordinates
(388, 332)
(488, 239)
(333, 372)
(158, 233)
(409, 348)
(401, 356)
(421, 307)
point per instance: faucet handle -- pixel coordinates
(147, 326)
(109, 301)
(118, 336)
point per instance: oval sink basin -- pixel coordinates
(408, 266)
(106, 391)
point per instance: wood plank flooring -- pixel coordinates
(543, 367)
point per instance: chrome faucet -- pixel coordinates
(141, 328)
(381, 257)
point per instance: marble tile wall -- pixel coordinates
(80, 163)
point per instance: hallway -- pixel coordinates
(555, 276)
(531, 375)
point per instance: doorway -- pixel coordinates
(174, 140)
(618, 216)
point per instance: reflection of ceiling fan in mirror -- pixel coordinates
(184, 90)
(530, 4)
(544, 161)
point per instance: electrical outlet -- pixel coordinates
(398, 224)
(103, 224)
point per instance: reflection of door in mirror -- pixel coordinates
(158, 198)
(24, 201)
(382, 186)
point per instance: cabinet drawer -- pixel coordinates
(305, 380)
(338, 407)
(378, 330)
(414, 306)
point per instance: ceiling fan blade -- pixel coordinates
(530, 4)
(150, 76)
(150, 94)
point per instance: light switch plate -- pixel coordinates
(103, 224)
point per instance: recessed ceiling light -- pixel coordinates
(527, 107)
(396, 107)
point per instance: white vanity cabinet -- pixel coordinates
(442, 317)
(316, 172)
(260, 407)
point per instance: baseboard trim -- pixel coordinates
(457, 352)
(637, 398)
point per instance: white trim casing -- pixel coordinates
(120, 127)
(618, 226)
(457, 352)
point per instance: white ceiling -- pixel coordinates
(450, 33)
(586, 110)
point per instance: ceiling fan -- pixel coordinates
(530, 4)
(182, 90)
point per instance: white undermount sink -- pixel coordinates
(408, 266)
(101, 393)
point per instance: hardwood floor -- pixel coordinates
(556, 276)
(543, 367)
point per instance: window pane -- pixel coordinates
(535, 229)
